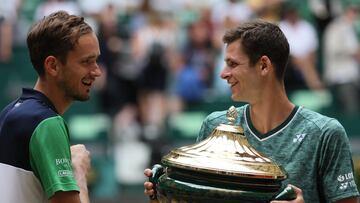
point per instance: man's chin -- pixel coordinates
(237, 99)
(82, 98)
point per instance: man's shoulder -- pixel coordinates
(35, 109)
(313, 115)
(26, 113)
(214, 119)
(320, 120)
(221, 115)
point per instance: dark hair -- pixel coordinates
(259, 38)
(54, 35)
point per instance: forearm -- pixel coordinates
(81, 165)
(349, 200)
(82, 183)
(84, 194)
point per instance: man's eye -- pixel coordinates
(89, 61)
(231, 64)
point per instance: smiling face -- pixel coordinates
(243, 79)
(80, 69)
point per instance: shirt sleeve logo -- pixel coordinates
(65, 173)
(346, 181)
(64, 167)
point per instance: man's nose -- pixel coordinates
(224, 73)
(97, 71)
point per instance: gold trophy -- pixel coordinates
(222, 168)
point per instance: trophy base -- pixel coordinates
(175, 191)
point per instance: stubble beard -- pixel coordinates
(73, 93)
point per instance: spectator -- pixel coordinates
(342, 58)
(49, 6)
(302, 72)
(8, 20)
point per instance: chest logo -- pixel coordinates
(299, 138)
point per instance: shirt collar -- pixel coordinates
(29, 93)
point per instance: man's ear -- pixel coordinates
(51, 65)
(265, 65)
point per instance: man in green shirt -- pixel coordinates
(37, 163)
(313, 148)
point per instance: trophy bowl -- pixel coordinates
(223, 168)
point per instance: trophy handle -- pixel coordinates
(157, 171)
(287, 194)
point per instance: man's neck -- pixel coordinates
(53, 94)
(269, 112)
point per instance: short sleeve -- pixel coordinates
(203, 131)
(50, 156)
(336, 166)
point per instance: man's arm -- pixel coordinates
(68, 197)
(80, 159)
(349, 200)
(60, 168)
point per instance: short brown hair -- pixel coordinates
(259, 38)
(54, 35)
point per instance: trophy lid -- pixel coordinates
(225, 152)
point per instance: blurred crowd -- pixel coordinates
(160, 57)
